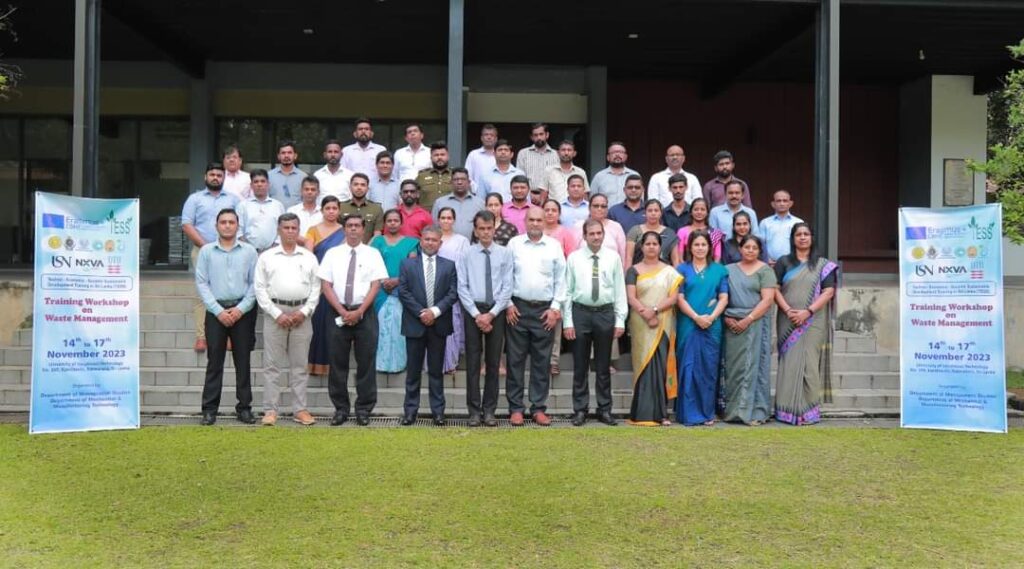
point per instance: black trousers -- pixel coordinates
(242, 337)
(528, 338)
(363, 337)
(595, 329)
(489, 345)
(432, 345)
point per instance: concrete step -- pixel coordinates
(848, 362)
(148, 357)
(878, 380)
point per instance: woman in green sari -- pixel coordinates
(804, 326)
(748, 347)
(651, 290)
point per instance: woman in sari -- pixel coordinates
(652, 222)
(393, 247)
(804, 326)
(321, 238)
(503, 230)
(651, 290)
(453, 247)
(704, 297)
(748, 348)
(699, 222)
(731, 247)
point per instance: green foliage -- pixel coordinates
(1005, 165)
(9, 74)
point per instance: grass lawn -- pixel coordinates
(623, 497)
(1014, 379)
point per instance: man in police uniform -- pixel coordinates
(437, 180)
(371, 212)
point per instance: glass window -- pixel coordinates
(164, 140)
(250, 135)
(48, 138)
(308, 136)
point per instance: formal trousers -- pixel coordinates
(595, 327)
(286, 351)
(432, 345)
(528, 338)
(490, 345)
(217, 335)
(362, 336)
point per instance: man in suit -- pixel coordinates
(427, 288)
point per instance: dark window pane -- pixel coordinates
(48, 138)
(164, 140)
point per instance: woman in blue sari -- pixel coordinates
(394, 248)
(320, 239)
(702, 300)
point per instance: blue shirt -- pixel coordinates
(286, 188)
(226, 274)
(384, 192)
(465, 209)
(572, 214)
(472, 269)
(496, 181)
(720, 218)
(774, 231)
(610, 184)
(626, 217)
(257, 222)
(201, 209)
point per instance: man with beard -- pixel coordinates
(199, 223)
(414, 217)
(611, 181)
(437, 180)
(721, 216)
(334, 178)
(286, 179)
(538, 291)
(714, 190)
(535, 159)
(514, 211)
(225, 270)
(556, 176)
(413, 157)
(371, 212)
(427, 289)
(361, 155)
(481, 160)
(462, 203)
(498, 179)
(658, 188)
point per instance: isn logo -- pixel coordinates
(931, 270)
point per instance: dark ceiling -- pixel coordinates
(715, 42)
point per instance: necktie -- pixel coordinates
(488, 287)
(429, 281)
(350, 280)
(595, 285)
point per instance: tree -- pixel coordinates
(9, 74)
(1005, 165)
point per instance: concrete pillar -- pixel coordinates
(200, 138)
(85, 129)
(826, 131)
(597, 118)
(456, 94)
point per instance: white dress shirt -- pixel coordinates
(359, 159)
(424, 260)
(478, 163)
(369, 268)
(658, 188)
(408, 163)
(238, 184)
(538, 269)
(335, 184)
(287, 276)
(307, 218)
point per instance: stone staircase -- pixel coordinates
(865, 382)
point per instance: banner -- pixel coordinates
(952, 358)
(85, 334)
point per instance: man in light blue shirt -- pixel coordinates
(461, 201)
(384, 185)
(258, 215)
(721, 216)
(576, 208)
(499, 179)
(612, 180)
(225, 272)
(198, 223)
(286, 179)
(775, 229)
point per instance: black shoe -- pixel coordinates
(606, 418)
(209, 418)
(362, 420)
(339, 418)
(579, 418)
(246, 416)
(490, 420)
(439, 420)
(474, 420)
(409, 419)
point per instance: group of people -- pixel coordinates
(499, 264)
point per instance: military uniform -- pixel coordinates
(433, 183)
(372, 214)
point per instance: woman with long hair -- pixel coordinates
(702, 301)
(453, 247)
(320, 239)
(503, 230)
(393, 247)
(699, 212)
(806, 302)
(652, 222)
(731, 247)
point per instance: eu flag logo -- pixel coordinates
(54, 220)
(919, 232)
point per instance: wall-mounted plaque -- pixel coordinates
(957, 183)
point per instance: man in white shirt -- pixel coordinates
(350, 276)
(538, 291)
(410, 159)
(659, 189)
(287, 290)
(535, 159)
(361, 155)
(334, 178)
(308, 210)
(236, 181)
(556, 176)
(257, 216)
(481, 160)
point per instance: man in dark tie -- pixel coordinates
(427, 289)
